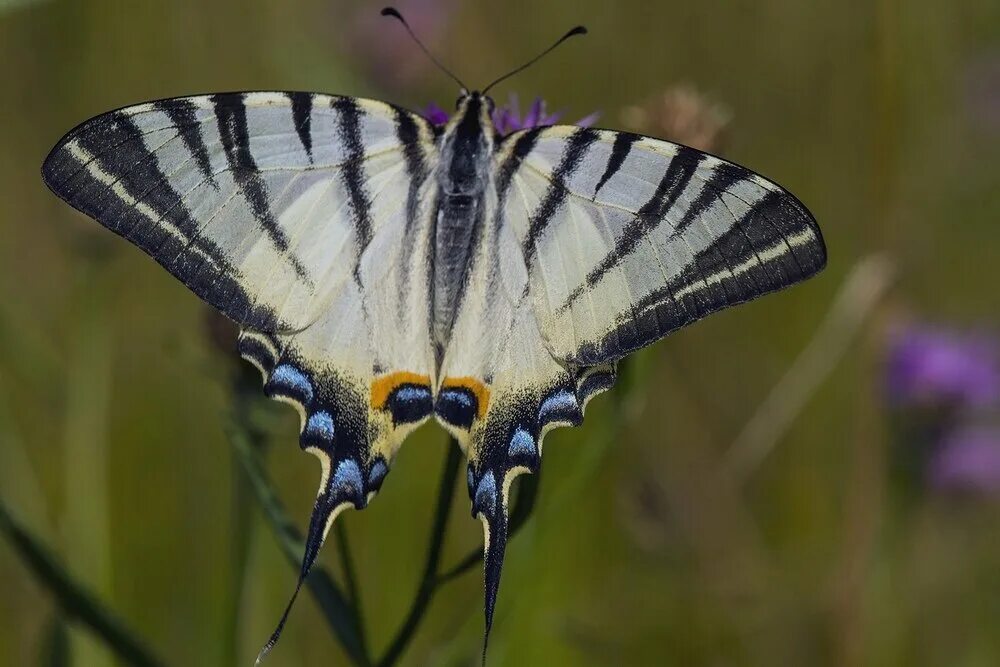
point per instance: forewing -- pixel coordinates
(627, 238)
(255, 201)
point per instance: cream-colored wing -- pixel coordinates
(597, 243)
(627, 238)
(305, 218)
(499, 389)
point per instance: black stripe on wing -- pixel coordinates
(524, 143)
(349, 130)
(182, 114)
(231, 113)
(302, 104)
(775, 244)
(104, 169)
(576, 147)
(723, 177)
(675, 181)
(619, 152)
(408, 134)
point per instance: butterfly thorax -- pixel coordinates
(466, 146)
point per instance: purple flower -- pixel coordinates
(968, 459)
(934, 365)
(435, 114)
(507, 118)
(982, 90)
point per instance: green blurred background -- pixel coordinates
(702, 520)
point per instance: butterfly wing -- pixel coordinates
(599, 243)
(628, 238)
(305, 218)
(500, 390)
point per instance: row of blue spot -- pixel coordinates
(560, 406)
(486, 495)
(289, 379)
(320, 425)
(347, 482)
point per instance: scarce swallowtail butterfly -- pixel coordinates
(384, 270)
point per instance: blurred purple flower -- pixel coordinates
(435, 114)
(507, 118)
(935, 365)
(982, 90)
(968, 459)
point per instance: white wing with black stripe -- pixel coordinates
(235, 193)
(596, 243)
(627, 238)
(306, 218)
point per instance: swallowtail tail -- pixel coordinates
(384, 270)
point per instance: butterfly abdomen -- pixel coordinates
(457, 223)
(466, 148)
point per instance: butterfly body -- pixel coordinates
(385, 271)
(465, 148)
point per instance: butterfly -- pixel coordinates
(384, 270)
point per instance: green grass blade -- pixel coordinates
(336, 608)
(55, 651)
(74, 601)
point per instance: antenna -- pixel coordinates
(393, 12)
(578, 30)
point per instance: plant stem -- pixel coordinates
(75, 602)
(242, 519)
(351, 580)
(332, 602)
(429, 581)
(527, 493)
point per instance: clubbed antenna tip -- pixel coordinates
(573, 32)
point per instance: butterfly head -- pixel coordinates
(466, 95)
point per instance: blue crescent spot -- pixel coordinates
(486, 494)
(320, 424)
(408, 394)
(561, 404)
(522, 444)
(471, 479)
(289, 377)
(347, 483)
(458, 396)
(377, 474)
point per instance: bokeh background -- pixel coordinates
(813, 479)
